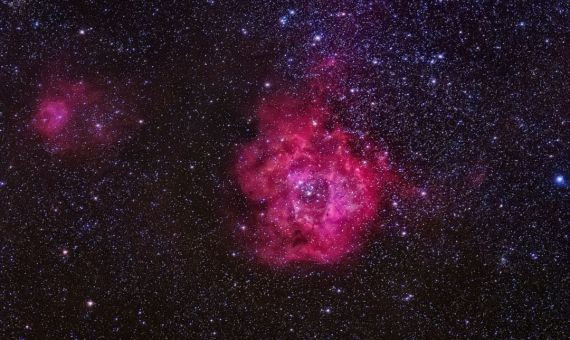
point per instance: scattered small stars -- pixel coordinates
(151, 184)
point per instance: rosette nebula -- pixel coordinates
(314, 187)
(78, 117)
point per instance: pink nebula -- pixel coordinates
(313, 194)
(52, 117)
(77, 117)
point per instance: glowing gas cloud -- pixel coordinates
(313, 187)
(76, 117)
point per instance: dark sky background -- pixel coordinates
(138, 238)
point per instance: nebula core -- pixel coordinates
(314, 193)
(52, 117)
(76, 117)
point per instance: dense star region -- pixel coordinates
(269, 169)
(314, 196)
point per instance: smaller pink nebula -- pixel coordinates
(76, 117)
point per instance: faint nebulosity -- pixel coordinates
(284, 169)
(72, 117)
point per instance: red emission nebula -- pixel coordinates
(314, 192)
(76, 117)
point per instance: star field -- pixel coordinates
(152, 187)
